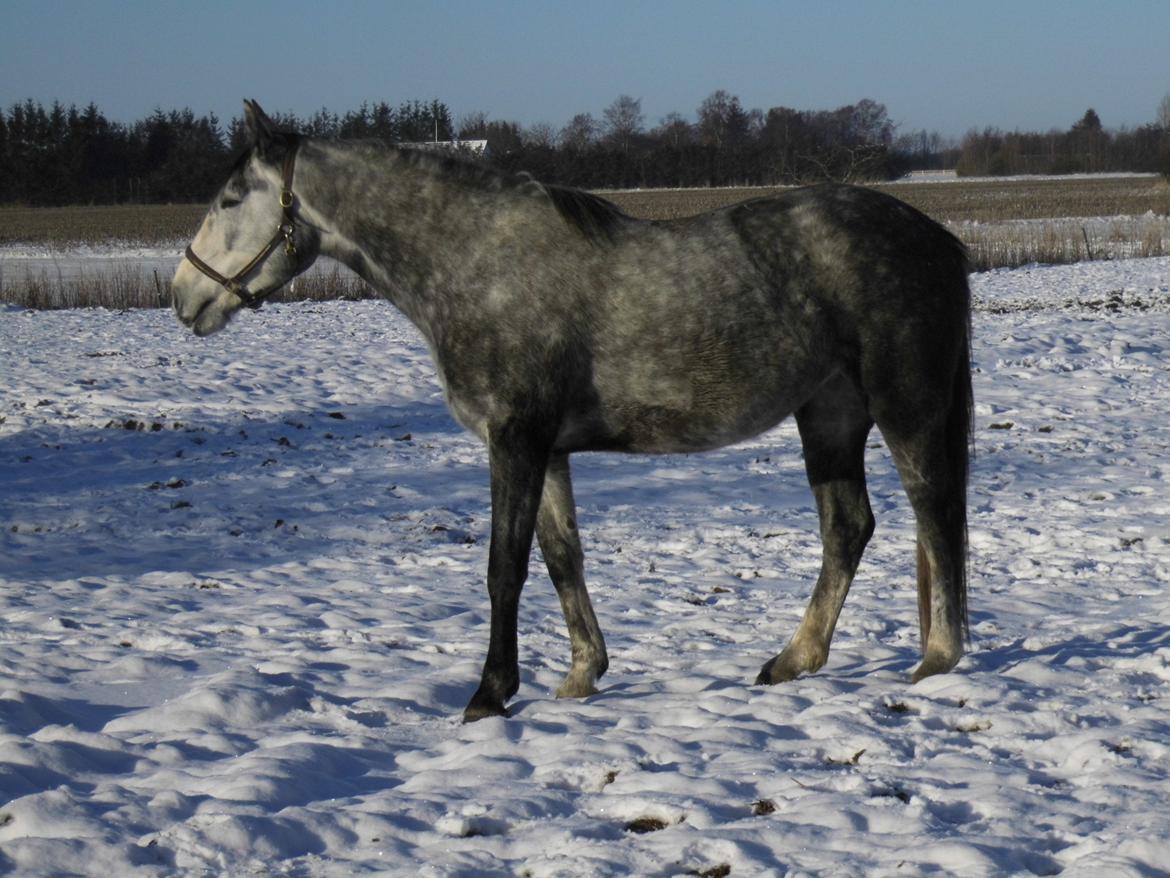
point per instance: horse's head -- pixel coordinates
(252, 241)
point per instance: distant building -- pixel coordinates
(477, 148)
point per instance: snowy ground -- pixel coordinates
(241, 587)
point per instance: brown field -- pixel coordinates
(981, 200)
(1005, 223)
(142, 224)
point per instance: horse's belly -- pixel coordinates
(678, 419)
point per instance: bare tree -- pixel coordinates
(623, 121)
(1163, 118)
(541, 135)
(724, 123)
(674, 130)
(580, 133)
(473, 125)
(869, 123)
(715, 115)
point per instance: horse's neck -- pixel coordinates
(394, 223)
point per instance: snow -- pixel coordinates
(241, 584)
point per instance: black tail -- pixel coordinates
(959, 441)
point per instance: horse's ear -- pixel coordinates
(262, 132)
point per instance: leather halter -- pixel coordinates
(284, 233)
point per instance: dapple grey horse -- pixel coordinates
(559, 324)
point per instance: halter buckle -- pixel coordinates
(290, 248)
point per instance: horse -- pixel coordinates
(559, 324)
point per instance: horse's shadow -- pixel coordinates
(1125, 641)
(145, 495)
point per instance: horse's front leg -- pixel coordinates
(517, 460)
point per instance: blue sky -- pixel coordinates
(939, 66)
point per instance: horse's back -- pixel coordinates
(712, 329)
(849, 241)
(890, 281)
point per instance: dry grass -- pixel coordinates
(118, 287)
(1059, 241)
(1005, 223)
(126, 286)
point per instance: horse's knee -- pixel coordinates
(847, 521)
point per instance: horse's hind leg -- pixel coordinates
(935, 485)
(833, 430)
(556, 529)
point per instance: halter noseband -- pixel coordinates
(284, 233)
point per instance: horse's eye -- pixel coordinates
(228, 202)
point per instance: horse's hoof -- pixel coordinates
(578, 685)
(933, 665)
(474, 713)
(576, 690)
(774, 672)
(483, 705)
(790, 664)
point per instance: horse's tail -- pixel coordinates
(958, 438)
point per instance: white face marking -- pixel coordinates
(237, 226)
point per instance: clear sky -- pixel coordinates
(937, 65)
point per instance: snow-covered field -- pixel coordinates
(241, 587)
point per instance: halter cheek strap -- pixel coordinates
(284, 234)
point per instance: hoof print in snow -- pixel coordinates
(471, 827)
(720, 871)
(646, 824)
(172, 484)
(763, 807)
(852, 760)
(135, 426)
(968, 727)
(891, 793)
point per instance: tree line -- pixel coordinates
(1085, 148)
(67, 155)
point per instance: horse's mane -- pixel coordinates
(596, 218)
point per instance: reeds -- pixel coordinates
(126, 286)
(1060, 241)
